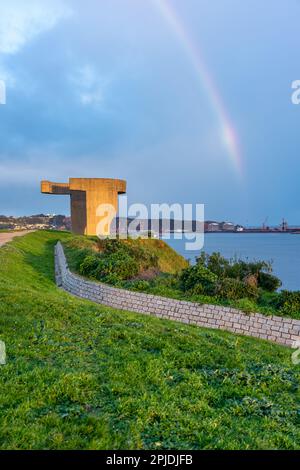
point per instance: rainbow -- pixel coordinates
(228, 133)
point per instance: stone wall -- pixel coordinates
(277, 329)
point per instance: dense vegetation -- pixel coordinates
(114, 261)
(141, 265)
(83, 376)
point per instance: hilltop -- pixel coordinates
(156, 253)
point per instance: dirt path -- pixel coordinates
(6, 237)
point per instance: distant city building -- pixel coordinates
(213, 226)
(227, 226)
(35, 222)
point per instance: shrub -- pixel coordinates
(139, 285)
(268, 281)
(289, 303)
(247, 305)
(118, 266)
(141, 253)
(117, 260)
(109, 246)
(81, 254)
(167, 280)
(112, 279)
(197, 290)
(215, 262)
(234, 289)
(198, 280)
(206, 299)
(269, 299)
(251, 280)
(241, 270)
(88, 265)
(111, 268)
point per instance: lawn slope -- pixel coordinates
(83, 376)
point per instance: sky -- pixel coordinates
(188, 100)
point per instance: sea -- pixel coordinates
(281, 249)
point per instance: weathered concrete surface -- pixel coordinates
(86, 196)
(6, 237)
(284, 331)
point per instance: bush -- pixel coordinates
(268, 281)
(109, 246)
(142, 253)
(215, 262)
(247, 305)
(170, 281)
(251, 280)
(134, 248)
(139, 285)
(117, 265)
(198, 280)
(206, 299)
(289, 303)
(241, 270)
(234, 289)
(111, 268)
(88, 265)
(117, 260)
(269, 299)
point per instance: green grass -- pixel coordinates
(169, 261)
(82, 376)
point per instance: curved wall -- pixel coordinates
(280, 330)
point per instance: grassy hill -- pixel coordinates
(169, 261)
(83, 376)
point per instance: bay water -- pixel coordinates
(282, 249)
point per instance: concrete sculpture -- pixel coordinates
(87, 194)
